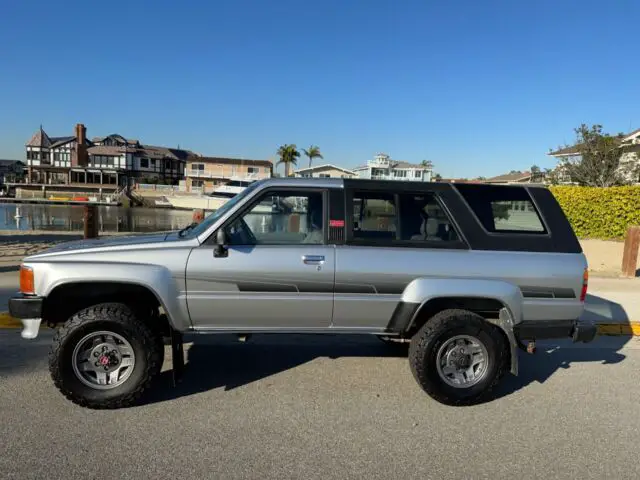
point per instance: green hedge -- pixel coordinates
(603, 213)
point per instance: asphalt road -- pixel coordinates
(327, 407)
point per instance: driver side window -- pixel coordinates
(280, 218)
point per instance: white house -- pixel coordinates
(325, 171)
(629, 153)
(382, 167)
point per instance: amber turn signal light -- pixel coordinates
(26, 280)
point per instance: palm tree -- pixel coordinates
(313, 152)
(288, 154)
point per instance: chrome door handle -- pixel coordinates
(313, 259)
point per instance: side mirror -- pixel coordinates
(220, 250)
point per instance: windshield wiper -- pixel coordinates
(187, 228)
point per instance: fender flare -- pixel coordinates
(156, 279)
(421, 291)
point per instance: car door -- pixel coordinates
(277, 271)
(393, 237)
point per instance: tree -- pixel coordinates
(596, 162)
(437, 177)
(289, 155)
(536, 173)
(428, 164)
(312, 152)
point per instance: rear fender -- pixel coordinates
(421, 291)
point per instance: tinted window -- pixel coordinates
(280, 218)
(503, 209)
(421, 218)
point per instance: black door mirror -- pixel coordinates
(221, 249)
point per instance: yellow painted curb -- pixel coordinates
(631, 328)
(7, 321)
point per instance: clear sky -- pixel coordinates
(478, 87)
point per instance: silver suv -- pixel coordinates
(465, 274)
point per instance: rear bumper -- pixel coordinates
(547, 329)
(28, 309)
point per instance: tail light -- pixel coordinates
(585, 284)
(26, 280)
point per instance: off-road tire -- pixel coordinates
(118, 318)
(442, 326)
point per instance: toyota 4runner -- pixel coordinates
(466, 274)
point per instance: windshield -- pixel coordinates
(213, 217)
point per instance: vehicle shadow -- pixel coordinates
(221, 362)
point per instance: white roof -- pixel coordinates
(326, 165)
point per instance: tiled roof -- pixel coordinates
(5, 163)
(235, 161)
(105, 150)
(509, 177)
(57, 141)
(39, 139)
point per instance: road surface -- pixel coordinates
(327, 408)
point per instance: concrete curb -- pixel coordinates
(630, 328)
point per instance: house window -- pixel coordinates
(324, 175)
(253, 170)
(399, 173)
(167, 165)
(197, 183)
(197, 168)
(144, 163)
(417, 173)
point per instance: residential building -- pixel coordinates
(11, 170)
(382, 167)
(629, 145)
(204, 174)
(325, 171)
(514, 177)
(111, 160)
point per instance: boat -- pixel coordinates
(211, 201)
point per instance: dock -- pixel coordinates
(46, 201)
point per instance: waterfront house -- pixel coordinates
(382, 167)
(104, 161)
(325, 171)
(11, 170)
(205, 174)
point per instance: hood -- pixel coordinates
(76, 245)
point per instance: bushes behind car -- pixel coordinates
(602, 213)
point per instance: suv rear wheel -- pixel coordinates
(103, 357)
(457, 357)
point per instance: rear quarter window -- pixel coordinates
(503, 209)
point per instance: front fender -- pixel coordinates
(157, 279)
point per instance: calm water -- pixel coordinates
(112, 219)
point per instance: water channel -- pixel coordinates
(70, 218)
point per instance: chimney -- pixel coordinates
(81, 157)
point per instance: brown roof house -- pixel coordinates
(106, 161)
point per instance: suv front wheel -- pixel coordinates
(103, 357)
(457, 357)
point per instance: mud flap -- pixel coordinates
(177, 356)
(505, 322)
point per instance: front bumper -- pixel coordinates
(28, 309)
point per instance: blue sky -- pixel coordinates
(478, 87)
